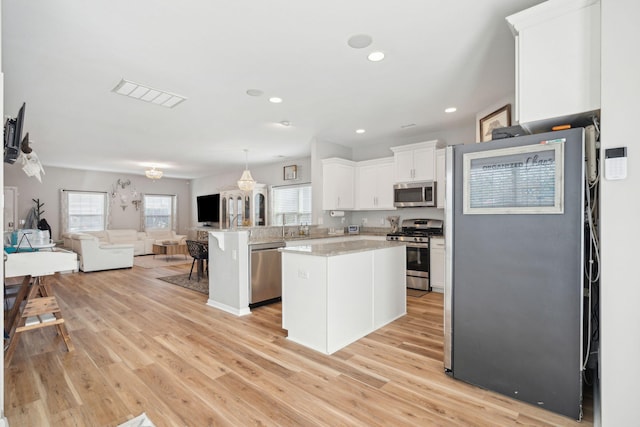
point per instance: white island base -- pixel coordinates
(334, 294)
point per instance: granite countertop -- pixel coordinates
(296, 237)
(340, 248)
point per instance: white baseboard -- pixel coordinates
(227, 308)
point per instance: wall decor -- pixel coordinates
(124, 197)
(498, 119)
(290, 172)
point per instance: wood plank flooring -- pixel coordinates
(144, 345)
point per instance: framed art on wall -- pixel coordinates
(496, 120)
(290, 172)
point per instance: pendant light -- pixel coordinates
(246, 182)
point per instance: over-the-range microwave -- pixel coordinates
(414, 194)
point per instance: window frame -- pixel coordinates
(171, 223)
(277, 218)
(66, 211)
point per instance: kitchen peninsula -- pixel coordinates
(336, 293)
(230, 260)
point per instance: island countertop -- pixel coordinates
(340, 248)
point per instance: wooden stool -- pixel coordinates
(39, 312)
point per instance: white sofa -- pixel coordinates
(142, 245)
(109, 249)
(160, 236)
(95, 255)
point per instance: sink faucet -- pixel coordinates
(283, 233)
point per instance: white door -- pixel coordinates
(10, 208)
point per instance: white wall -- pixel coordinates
(56, 179)
(620, 286)
(271, 174)
(463, 133)
(3, 420)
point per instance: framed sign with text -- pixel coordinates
(515, 180)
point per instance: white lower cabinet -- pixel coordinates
(329, 302)
(436, 264)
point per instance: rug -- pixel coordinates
(155, 261)
(139, 421)
(183, 280)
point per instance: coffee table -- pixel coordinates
(169, 250)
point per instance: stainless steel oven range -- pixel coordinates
(416, 233)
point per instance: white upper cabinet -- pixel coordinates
(440, 178)
(557, 62)
(415, 162)
(374, 184)
(338, 182)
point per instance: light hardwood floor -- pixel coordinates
(143, 345)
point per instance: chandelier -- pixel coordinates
(246, 181)
(153, 173)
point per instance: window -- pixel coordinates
(291, 204)
(159, 211)
(86, 211)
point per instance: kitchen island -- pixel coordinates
(336, 293)
(230, 266)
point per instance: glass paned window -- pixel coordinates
(87, 211)
(291, 205)
(158, 211)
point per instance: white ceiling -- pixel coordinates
(64, 57)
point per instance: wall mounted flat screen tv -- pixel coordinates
(208, 208)
(13, 136)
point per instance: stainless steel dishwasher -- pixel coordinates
(266, 273)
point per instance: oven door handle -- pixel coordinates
(423, 245)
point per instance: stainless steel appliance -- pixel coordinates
(416, 233)
(265, 266)
(515, 260)
(414, 194)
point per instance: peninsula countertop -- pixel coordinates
(339, 248)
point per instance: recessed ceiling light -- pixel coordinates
(360, 131)
(375, 56)
(275, 100)
(359, 41)
(451, 110)
(254, 92)
(147, 94)
(285, 123)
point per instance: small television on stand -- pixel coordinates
(208, 209)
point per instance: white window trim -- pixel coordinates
(174, 210)
(64, 208)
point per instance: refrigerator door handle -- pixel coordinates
(448, 271)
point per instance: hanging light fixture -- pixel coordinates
(153, 173)
(246, 182)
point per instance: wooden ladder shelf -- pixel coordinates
(40, 311)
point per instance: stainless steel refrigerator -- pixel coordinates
(514, 276)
